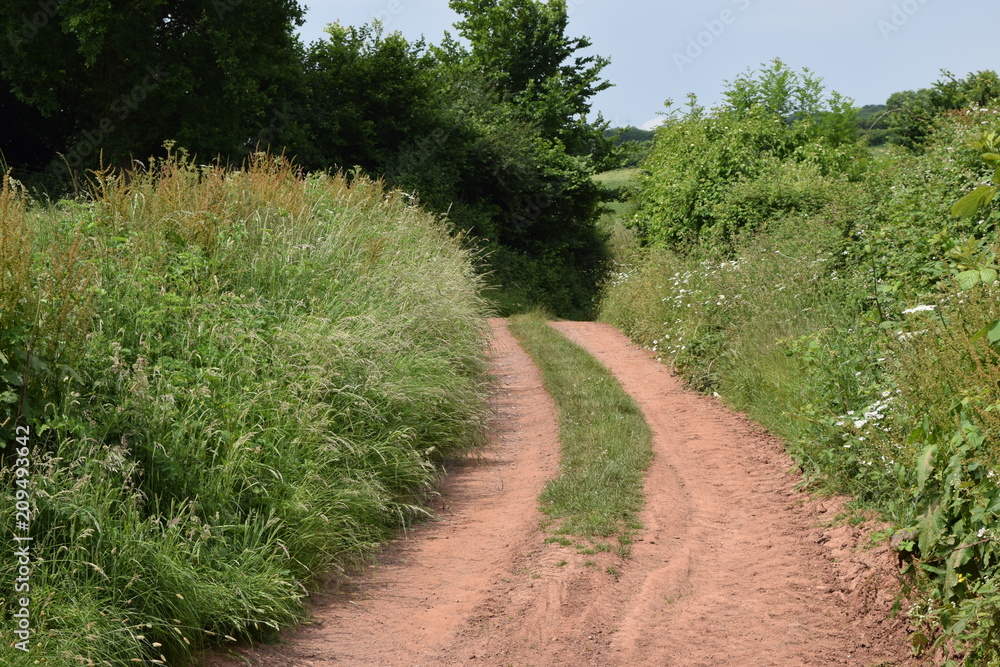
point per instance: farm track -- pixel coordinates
(734, 567)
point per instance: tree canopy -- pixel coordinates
(122, 77)
(913, 113)
(494, 133)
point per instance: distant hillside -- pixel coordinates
(872, 121)
(635, 143)
(628, 134)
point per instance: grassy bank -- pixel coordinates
(233, 382)
(854, 315)
(606, 443)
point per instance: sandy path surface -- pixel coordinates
(734, 566)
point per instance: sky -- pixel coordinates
(863, 49)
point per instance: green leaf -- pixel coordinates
(991, 157)
(988, 329)
(12, 378)
(176, 238)
(969, 205)
(988, 276)
(968, 279)
(925, 464)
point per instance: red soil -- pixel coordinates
(734, 567)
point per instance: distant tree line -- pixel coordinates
(908, 117)
(495, 132)
(633, 143)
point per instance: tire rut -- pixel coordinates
(733, 566)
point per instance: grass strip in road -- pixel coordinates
(606, 443)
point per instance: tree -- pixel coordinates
(915, 112)
(122, 76)
(367, 94)
(522, 47)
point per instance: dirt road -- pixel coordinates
(734, 566)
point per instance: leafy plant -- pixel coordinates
(988, 145)
(233, 388)
(958, 503)
(705, 162)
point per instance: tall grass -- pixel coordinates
(772, 329)
(237, 381)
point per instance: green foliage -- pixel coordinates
(238, 381)
(916, 243)
(634, 145)
(360, 81)
(858, 319)
(213, 75)
(776, 91)
(914, 113)
(605, 441)
(705, 163)
(969, 205)
(629, 134)
(872, 124)
(521, 46)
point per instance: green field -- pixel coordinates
(617, 179)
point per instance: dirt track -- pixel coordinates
(734, 566)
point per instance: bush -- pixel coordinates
(770, 117)
(858, 320)
(236, 382)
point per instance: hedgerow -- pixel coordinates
(230, 385)
(851, 308)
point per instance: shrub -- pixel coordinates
(770, 117)
(240, 380)
(858, 320)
